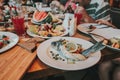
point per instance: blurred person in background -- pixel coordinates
(1, 10)
(43, 1)
(91, 10)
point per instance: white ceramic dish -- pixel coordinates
(35, 35)
(85, 27)
(98, 38)
(43, 55)
(107, 33)
(13, 38)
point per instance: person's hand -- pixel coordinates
(73, 5)
(85, 16)
(80, 9)
(55, 3)
(101, 21)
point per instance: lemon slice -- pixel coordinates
(33, 29)
(71, 46)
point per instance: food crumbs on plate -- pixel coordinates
(56, 56)
(70, 61)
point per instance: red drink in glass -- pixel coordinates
(18, 23)
(79, 17)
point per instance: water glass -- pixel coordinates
(18, 23)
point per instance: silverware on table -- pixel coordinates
(96, 47)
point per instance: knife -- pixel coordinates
(96, 47)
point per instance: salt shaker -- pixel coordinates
(66, 21)
(72, 27)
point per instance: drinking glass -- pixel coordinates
(18, 23)
(78, 16)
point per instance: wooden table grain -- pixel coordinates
(14, 63)
(20, 64)
(39, 69)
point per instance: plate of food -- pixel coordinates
(42, 17)
(112, 43)
(46, 30)
(65, 53)
(110, 36)
(88, 27)
(7, 41)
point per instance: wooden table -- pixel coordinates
(17, 63)
(14, 63)
(39, 69)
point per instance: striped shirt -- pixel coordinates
(98, 9)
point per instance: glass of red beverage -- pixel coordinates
(18, 23)
(79, 17)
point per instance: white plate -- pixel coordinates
(35, 35)
(85, 27)
(43, 51)
(13, 40)
(98, 38)
(108, 33)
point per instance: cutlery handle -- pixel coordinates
(96, 47)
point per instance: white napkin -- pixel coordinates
(107, 33)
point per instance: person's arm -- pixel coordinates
(103, 14)
(101, 21)
(86, 18)
(102, 10)
(56, 3)
(62, 6)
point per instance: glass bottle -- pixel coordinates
(69, 9)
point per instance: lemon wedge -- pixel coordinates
(33, 29)
(71, 46)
